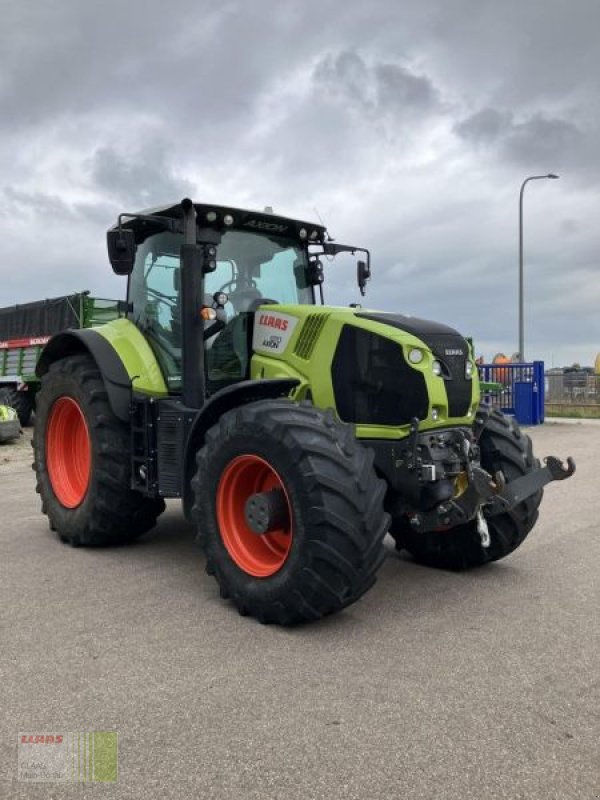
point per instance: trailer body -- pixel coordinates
(26, 328)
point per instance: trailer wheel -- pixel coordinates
(289, 511)
(22, 402)
(503, 447)
(81, 460)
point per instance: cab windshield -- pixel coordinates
(251, 268)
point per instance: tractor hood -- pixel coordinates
(418, 327)
(448, 346)
(374, 368)
(445, 342)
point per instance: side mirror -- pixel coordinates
(363, 273)
(121, 250)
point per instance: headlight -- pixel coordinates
(436, 368)
(415, 356)
(435, 414)
(468, 369)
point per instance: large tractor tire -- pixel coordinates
(82, 460)
(503, 447)
(22, 402)
(324, 527)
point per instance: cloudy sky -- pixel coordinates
(409, 126)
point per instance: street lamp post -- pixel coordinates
(521, 303)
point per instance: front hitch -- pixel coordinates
(508, 495)
(490, 494)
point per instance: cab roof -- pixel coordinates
(227, 218)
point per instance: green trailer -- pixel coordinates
(26, 328)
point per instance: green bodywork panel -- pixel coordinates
(136, 354)
(7, 414)
(309, 353)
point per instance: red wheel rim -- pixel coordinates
(258, 555)
(68, 452)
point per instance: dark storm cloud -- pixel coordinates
(48, 209)
(539, 138)
(138, 179)
(379, 88)
(486, 126)
(400, 89)
(535, 140)
(45, 206)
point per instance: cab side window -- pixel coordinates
(154, 295)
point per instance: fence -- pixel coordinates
(517, 389)
(573, 392)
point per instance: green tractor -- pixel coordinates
(10, 427)
(295, 434)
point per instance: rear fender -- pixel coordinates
(117, 382)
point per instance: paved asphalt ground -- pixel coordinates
(436, 685)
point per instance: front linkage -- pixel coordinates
(441, 483)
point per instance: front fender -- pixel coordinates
(226, 399)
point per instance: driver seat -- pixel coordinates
(228, 359)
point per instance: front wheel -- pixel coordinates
(505, 448)
(289, 511)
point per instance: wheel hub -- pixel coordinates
(266, 511)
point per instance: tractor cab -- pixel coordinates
(247, 260)
(250, 269)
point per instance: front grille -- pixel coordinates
(309, 335)
(458, 388)
(372, 382)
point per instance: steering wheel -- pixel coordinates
(226, 288)
(168, 299)
(261, 301)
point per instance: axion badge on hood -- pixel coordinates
(272, 331)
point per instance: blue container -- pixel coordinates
(525, 412)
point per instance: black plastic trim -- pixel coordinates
(373, 384)
(116, 379)
(447, 345)
(415, 325)
(222, 401)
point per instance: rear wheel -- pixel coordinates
(22, 402)
(81, 460)
(506, 448)
(289, 511)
